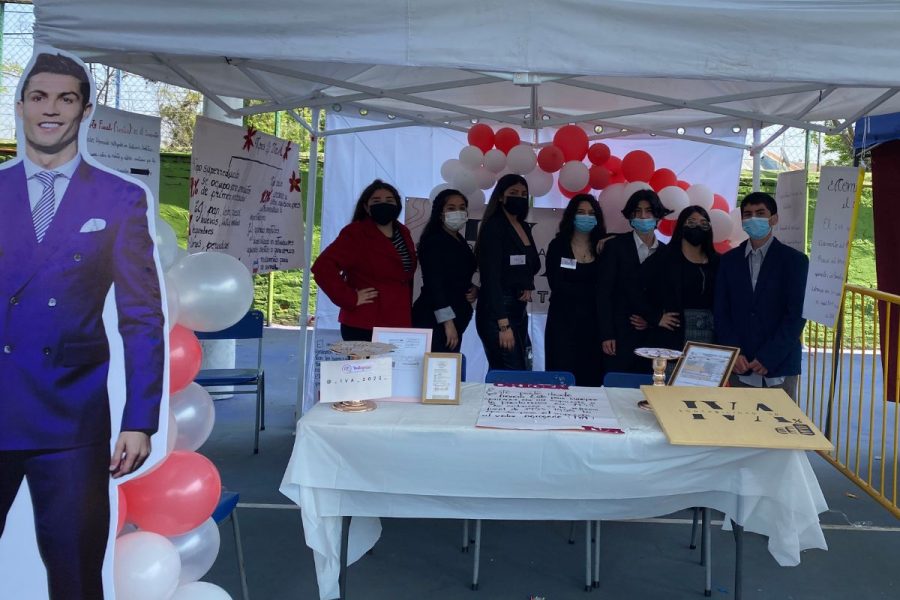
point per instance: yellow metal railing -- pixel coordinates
(846, 390)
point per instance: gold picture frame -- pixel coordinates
(441, 378)
(704, 365)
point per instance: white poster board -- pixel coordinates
(126, 142)
(543, 407)
(245, 197)
(791, 197)
(839, 189)
(347, 380)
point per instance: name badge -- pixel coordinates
(517, 259)
(568, 263)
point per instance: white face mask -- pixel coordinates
(456, 219)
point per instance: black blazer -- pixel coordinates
(664, 281)
(621, 291)
(499, 246)
(447, 268)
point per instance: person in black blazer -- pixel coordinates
(508, 261)
(621, 299)
(572, 335)
(445, 303)
(759, 301)
(680, 280)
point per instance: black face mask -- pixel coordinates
(695, 235)
(383, 213)
(517, 206)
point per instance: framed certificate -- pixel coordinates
(442, 376)
(704, 365)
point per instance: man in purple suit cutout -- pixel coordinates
(69, 232)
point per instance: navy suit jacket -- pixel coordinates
(764, 323)
(54, 353)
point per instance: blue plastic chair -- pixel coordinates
(560, 378)
(227, 507)
(627, 380)
(248, 328)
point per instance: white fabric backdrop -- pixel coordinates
(410, 159)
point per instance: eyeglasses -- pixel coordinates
(704, 225)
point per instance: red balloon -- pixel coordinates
(123, 510)
(599, 177)
(481, 136)
(666, 227)
(598, 153)
(506, 139)
(176, 496)
(662, 178)
(570, 195)
(721, 203)
(550, 159)
(613, 164)
(722, 247)
(683, 184)
(573, 142)
(185, 356)
(617, 178)
(638, 166)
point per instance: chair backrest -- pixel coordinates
(563, 378)
(249, 327)
(627, 380)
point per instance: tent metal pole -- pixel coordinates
(756, 154)
(311, 181)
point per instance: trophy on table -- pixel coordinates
(660, 357)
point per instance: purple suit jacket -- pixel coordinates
(54, 353)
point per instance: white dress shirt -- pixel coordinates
(643, 249)
(60, 184)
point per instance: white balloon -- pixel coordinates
(721, 225)
(146, 566)
(173, 304)
(464, 180)
(438, 189)
(179, 255)
(494, 160)
(450, 168)
(201, 590)
(215, 290)
(166, 243)
(195, 414)
(675, 199)
(471, 156)
(522, 159)
(539, 182)
(484, 179)
(171, 433)
(738, 235)
(574, 175)
(701, 195)
(633, 187)
(197, 549)
(612, 201)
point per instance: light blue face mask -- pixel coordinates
(585, 223)
(756, 227)
(643, 225)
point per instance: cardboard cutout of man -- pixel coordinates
(71, 231)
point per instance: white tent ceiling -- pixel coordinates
(627, 64)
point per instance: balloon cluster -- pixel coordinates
(490, 155)
(168, 540)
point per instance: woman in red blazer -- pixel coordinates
(368, 269)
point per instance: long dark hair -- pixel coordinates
(567, 222)
(707, 246)
(360, 213)
(436, 220)
(503, 184)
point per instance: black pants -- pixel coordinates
(355, 334)
(70, 497)
(517, 359)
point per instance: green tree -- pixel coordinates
(840, 146)
(178, 109)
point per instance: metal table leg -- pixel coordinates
(707, 552)
(345, 540)
(596, 554)
(587, 555)
(477, 555)
(738, 532)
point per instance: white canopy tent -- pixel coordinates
(681, 68)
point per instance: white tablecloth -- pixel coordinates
(414, 460)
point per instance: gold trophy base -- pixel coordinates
(354, 406)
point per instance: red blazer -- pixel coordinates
(363, 257)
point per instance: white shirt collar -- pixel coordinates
(762, 249)
(639, 242)
(67, 170)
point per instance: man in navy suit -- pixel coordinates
(70, 232)
(759, 301)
